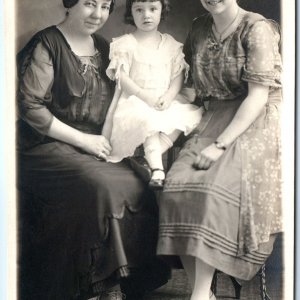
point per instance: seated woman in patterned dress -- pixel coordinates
(221, 205)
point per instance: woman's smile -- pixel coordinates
(92, 24)
(214, 2)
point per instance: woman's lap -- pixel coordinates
(200, 210)
(74, 196)
(56, 161)
(200, 216)
(78, 186)
(69, 184)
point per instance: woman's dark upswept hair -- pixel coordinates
(128, 18)
(71, 3)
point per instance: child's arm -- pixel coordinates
(107, 127)
(131, 88)
(165, 100)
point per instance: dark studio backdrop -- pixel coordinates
(33, 15)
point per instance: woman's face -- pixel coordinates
(146, 15)
(88, 16)
(218, 6)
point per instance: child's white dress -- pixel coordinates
(133, 119)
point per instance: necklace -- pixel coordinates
(219, 41)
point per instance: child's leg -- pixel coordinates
(167, 140)
(152, 150)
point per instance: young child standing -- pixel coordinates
(149, 69)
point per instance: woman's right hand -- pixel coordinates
(97, 145)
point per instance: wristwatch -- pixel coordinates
(220, 145)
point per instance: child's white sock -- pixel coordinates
(152, 150)
(166, 140)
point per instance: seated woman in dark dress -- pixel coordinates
(85, 224)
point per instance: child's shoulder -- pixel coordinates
(125, 42)
(122, 38)
(169, 38)
(170, 41)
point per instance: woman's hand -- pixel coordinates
(96, 145)
(207, 157)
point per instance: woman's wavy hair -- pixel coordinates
(71, 3)
(128, 18)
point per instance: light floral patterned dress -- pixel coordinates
(134, 120)
(229, 214)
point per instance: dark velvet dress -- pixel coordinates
(84, 223)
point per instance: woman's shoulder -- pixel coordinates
(46, 31)
(202, 21)
(44, 37)
(249, 19)
(47, 37)
(199, 30)
(252, 19)
(101, 44)
(200, 26)
(43, 34)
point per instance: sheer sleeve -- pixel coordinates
(120, 58)
(35, 91)
(263, 63)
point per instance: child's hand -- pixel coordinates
(148, 97)
(163, 103)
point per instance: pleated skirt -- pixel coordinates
(207, 214)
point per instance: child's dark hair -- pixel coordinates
(128, 18)
(71, 3)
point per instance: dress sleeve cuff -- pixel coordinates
(264, 78)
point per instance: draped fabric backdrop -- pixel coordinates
(33, 15)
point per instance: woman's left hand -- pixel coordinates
(207, 157)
